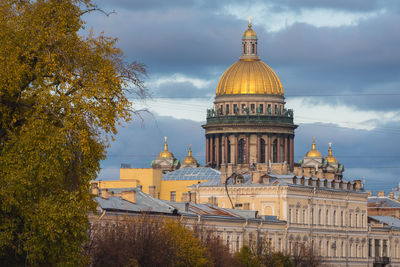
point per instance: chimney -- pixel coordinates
(391, 195)
(104, 193)
(129, 196)
(94, 189)
(381, 193)
(357, 184)
(185, 197)
(192, 197)
(152, 191)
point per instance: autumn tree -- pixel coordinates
(147, 241)
(62, 96)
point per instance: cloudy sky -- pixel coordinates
(338, 61)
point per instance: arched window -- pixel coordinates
(252, 49)
(319, 216)
(327, 217)
(341, 218)
(262, 150)
(244, 48)
(242, 151)
(275, 151)
(334, 218)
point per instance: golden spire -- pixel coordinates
(165, 153)
(330, 158)
(313, 143)
(165, 144)
(313, 153)
(189, 159)
(249, 22)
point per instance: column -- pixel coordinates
(278, 149)
(268, 149)
(248, 148)
(291, 139)
(226, 149)
(286, 150)
(211, 149)
(258, 149)
(207, 150)
(236, 149)
(217, 150)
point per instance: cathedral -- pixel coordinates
(249, 166)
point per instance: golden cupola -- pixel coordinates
(189, 159)
(313, 153)
(249, 75)
(165, 153)
(330, 158)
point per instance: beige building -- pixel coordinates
(251, 175)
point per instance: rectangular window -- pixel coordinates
(369, 247)
(226, 109)
(235, 108)
(261, 108)
(290, 216)
(238, 205)
(172, 196)
(269, 109)
(246, 206)
(253, 108)
(276, 109)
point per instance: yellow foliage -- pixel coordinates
(61, 96)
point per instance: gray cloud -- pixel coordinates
(373, 154)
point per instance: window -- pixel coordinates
(246, 206)
(356, 222)
(312, 216)
(252, 49)
(172, 196)
(275, 151)
(253, 108)
(327, 217)
(334, 218)
(290, 216)
(244, 48)
(350, 219)
(226, 109)
(319, 216)
(341, 218)
(384, 249)
(262, 150)
(237, 242)
(304, 216)
(242, 151)
(269, 109)
(228, 160)
(238, 205)
(297, 216)
(261, 108)
(362, 220)
(370, 247)
(276, 109)
(235, 109)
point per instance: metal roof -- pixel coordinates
(200, 173)
(383, 202)
(390, 221)
(144, 203)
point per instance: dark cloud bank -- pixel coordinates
(373, 154)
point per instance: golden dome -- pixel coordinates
(189, 159)
(330, 158)
(313, 153)
(165, 153)
(249, 77)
